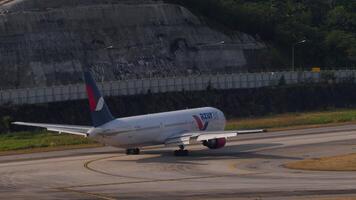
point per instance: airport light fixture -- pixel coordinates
(111, 47)
(220, 43)
(211, 44)
(293, 52)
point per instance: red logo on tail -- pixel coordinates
(91, 98)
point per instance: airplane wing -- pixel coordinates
(71, 129)
(179, 139)
(251, 131)
(185, 137)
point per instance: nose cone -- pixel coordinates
(221, 116)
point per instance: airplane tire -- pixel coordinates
(133, 151)
(180, 153)
(136, 151)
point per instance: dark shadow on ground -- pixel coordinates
(230, 152)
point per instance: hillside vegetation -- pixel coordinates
(329, 26)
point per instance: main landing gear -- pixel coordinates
(133, 151)
(181, 151)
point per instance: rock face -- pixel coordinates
(49, 42)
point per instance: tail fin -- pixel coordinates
(100, 112)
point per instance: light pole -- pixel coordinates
(293, 52)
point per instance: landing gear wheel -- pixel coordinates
(181, 153)
(133, 151)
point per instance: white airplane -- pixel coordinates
(177, 128)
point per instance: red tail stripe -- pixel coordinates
(91, 98)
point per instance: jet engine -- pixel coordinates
(215, 143)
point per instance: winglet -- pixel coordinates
(100, 112)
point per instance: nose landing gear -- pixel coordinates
(181, 151)
(135, 151)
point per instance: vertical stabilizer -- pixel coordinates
(100, 112)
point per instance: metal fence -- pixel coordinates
(172, 84)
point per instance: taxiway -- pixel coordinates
(250, 167)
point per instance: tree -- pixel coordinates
(328, 25)
(340, 43)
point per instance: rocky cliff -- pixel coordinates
(49, 42)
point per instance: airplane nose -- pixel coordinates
(221, 115)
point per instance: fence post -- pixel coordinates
(69, 92)
(77, 91)
(174, 84)
(62, 93)
(53, 96)
(10, 99)
(256, 80)
(127, 87)
(28, 95)
(248, 80)
(36, 95)
(111, 90)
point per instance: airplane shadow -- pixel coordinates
(230, 152)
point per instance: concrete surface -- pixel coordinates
(250, 167)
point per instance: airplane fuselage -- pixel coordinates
(154, 129)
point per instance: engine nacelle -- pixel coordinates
(215, 143)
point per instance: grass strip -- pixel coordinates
(39, 139)
(335, 163)
(290, 120)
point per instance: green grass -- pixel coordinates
(42, 139)
(294, 120)
(335, 163)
